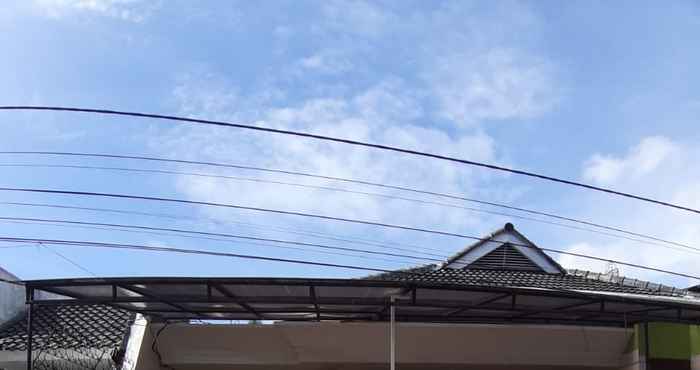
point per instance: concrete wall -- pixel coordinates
(11, 297)
(365, 346)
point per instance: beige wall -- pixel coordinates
(365, 345)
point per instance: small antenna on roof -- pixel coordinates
(612, 269)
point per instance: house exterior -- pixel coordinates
(65, 337)
(500, 303)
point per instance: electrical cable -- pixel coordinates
(224, 235)
(248, 208)
(386, 186)
(274, 259)
(315, 234)
(63, 257)
(207, 238)
(187, 251)
(356, 143)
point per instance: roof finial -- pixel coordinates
(509, 227)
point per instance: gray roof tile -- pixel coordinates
(571, 280)
(68, 327)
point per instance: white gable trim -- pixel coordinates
(533, 253)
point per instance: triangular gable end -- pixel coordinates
(506, 249)
(505, 257)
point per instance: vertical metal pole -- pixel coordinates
(392, 335)
(30, 301)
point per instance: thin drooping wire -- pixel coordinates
(330, 188)
(356, 143)
(225, 254)
(185, 251)
(63, 257)
(223, 235)
(306, 250)
(315, 234)
(387, 186)
(309, 186)
(339, 219)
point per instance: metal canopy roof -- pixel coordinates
(366, 300)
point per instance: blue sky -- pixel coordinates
(600, 92)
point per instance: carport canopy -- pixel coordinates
(302, 299)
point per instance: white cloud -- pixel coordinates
(641, 160)
(375, 115)
(656, 167)
(399, 74)
(326, 62)
(476, 63)
(494, 85)
(127, 10)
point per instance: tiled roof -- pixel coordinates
(509, 273)
(96, 326)
(571, 280)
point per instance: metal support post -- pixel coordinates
(392, 335)
(30, 302)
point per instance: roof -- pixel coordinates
(500, 238)
(7, 275)
(501, 264)
(69, 326)
(571, 280)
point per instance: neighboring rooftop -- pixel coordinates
(506, 258)
(75, 326)
(571, 280)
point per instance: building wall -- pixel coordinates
(671, 347)
(365, 346)
(11, 297)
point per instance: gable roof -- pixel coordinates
(517, 241)
(522, 271)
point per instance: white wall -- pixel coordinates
(365, 345)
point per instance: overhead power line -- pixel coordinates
(356, 143)
(63, 257)
(185, 251)
(318, 187)
(362, 182)
(224, 235)
(257, 244)
(339, 219)
(315, 234)
(307, 262)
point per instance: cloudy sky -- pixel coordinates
(604, 93)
